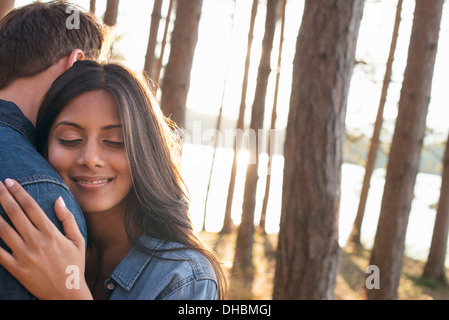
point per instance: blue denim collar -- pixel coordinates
(11, 116)
(129, 269)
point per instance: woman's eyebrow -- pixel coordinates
(77, 126)
(71, 124)
(111, 126)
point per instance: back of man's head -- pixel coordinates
(34, 37)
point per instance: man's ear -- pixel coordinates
(76, 55)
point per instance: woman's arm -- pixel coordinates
(47, 263)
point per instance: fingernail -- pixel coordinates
(9, 183)
(62, 202)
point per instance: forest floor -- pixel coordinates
(350, 282)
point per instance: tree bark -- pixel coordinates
(6, 6)
(148, 68)
(403, 165)
(244, 244)
(307, 257)
(435, 267)
(374, 146)
(157, 72)
(176, 81)
(227, 222)
(92, 7)
(110, 16)
(263, 214)
(220, 114)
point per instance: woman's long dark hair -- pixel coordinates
(158, 204)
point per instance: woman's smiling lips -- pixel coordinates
(91, 182)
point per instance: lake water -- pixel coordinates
(196, 169)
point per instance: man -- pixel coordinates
(38, 43)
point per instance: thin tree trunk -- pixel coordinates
(6, 6)
(307, 257)
(177, 73)
(218, 125)
(110, 16)
(273, 123)
(435, 267)
(374, 146)
(244, 245)
(227, 223)
(148, 68)
(403, 165)
(157, 75)
(92, 8)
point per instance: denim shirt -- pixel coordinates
(142, 276)
(19, 160)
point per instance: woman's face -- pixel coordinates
(85, 146)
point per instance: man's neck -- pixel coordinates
(26, 96)
(27, 92)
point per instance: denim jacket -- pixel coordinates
(188, 275)
(19, 160)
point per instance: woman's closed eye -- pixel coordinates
(70, 142)
(115, 144)
(75, 142)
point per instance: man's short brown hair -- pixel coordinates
(35, 36)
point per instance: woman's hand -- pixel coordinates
(47, 263)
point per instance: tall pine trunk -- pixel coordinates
(92, 6)
(176, 81)
(403, 165)
(149, 66)
(110, 16)
(435, 267)
(374, 146)
(227, 222)
(6, 6)
(244, 244)
(263, 214)
(220, 114)
(308, 250)
(160, 60)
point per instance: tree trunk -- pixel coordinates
(110, 16)
(176, 81)
(148, 68)
(244, 244)
(92, 8)
(434, 268)
(388, 250)
(220, 113)
(308, 251)
(160, 60)
(227, 223)
(6, 6)
(273, 123)
(374, 146)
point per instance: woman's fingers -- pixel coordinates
(40, 252)
(10, 236)
(28, 218)
(23, 210)
(69, 224)
(7, 260)
(15, 212)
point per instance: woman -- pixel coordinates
(101, 129)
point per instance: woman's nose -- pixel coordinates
(91, 156)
